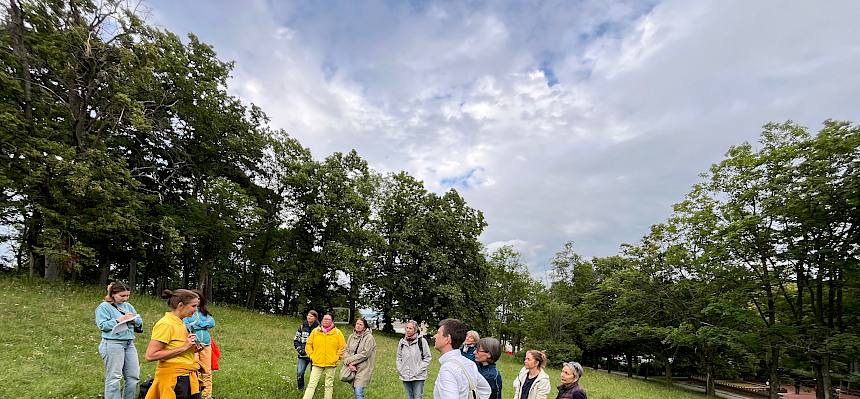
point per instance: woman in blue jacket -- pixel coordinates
(199, 324)
(470, 345)
(488, 352)
(117, 320)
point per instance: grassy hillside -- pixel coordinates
(49, 347)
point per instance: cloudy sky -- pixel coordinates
(560, 120)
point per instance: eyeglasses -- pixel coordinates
(482, 350)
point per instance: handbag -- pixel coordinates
(347, 375)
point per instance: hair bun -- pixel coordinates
(166, 294)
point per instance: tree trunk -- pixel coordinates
(773, 371)
(288, 288)
(629, 357)
(668, 370)
(161, 285)
(386, 315)
(186, 273)
(132, 273)
(52, 269)
(824, 385)
(205, 282)
(251, 299)
(710, 389)
(21, 53)
(35, 261)
(104, 270)
(353, 299)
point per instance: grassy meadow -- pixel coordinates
(50, 342)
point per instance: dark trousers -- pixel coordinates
(183, 389)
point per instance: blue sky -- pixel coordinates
(561, 120)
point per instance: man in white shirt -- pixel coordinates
(457, 372)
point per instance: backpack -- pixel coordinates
(421, 346)
(144, 388)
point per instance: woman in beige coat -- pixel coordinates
(532, 382)
(360, 356)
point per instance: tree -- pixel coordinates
(510, 287)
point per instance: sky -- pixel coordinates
(562, 121)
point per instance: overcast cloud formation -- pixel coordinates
(560, 120)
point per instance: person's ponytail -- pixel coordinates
(115, 288)
(174, 298)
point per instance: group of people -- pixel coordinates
(184, 349)
(181, 344)
(468, 362)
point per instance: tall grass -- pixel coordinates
(49, 341)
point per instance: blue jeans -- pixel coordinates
(120, 358)
(359, 392)
(301, 366)
(414, 389)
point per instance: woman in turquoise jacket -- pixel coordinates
(199, 324)
(117, 320)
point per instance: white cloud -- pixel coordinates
(561, 123)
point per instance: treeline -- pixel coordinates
(122, 156)
(755, 275)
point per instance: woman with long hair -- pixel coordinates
(571, 372)
(199, 324)
(360, 356)
(532, 382)
(118, 320)
(173, 347)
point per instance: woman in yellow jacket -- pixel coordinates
(325, 347)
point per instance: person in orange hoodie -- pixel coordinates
(325, 347)
(173, 347)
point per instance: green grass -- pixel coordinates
(49, 349)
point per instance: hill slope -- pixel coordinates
(49, 347)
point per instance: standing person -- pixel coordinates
(199, 324)
(173, 347)
(360, 356)
(470, 345)
(458, 376)
(571, 372)
(413, 359)
(325, 346)
(116, 348)
(532, 382)
(301, 338)
(488, 352)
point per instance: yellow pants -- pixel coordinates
(205, 358)
(316, 372)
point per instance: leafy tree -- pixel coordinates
(510, 287)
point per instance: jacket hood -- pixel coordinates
(310, 326)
